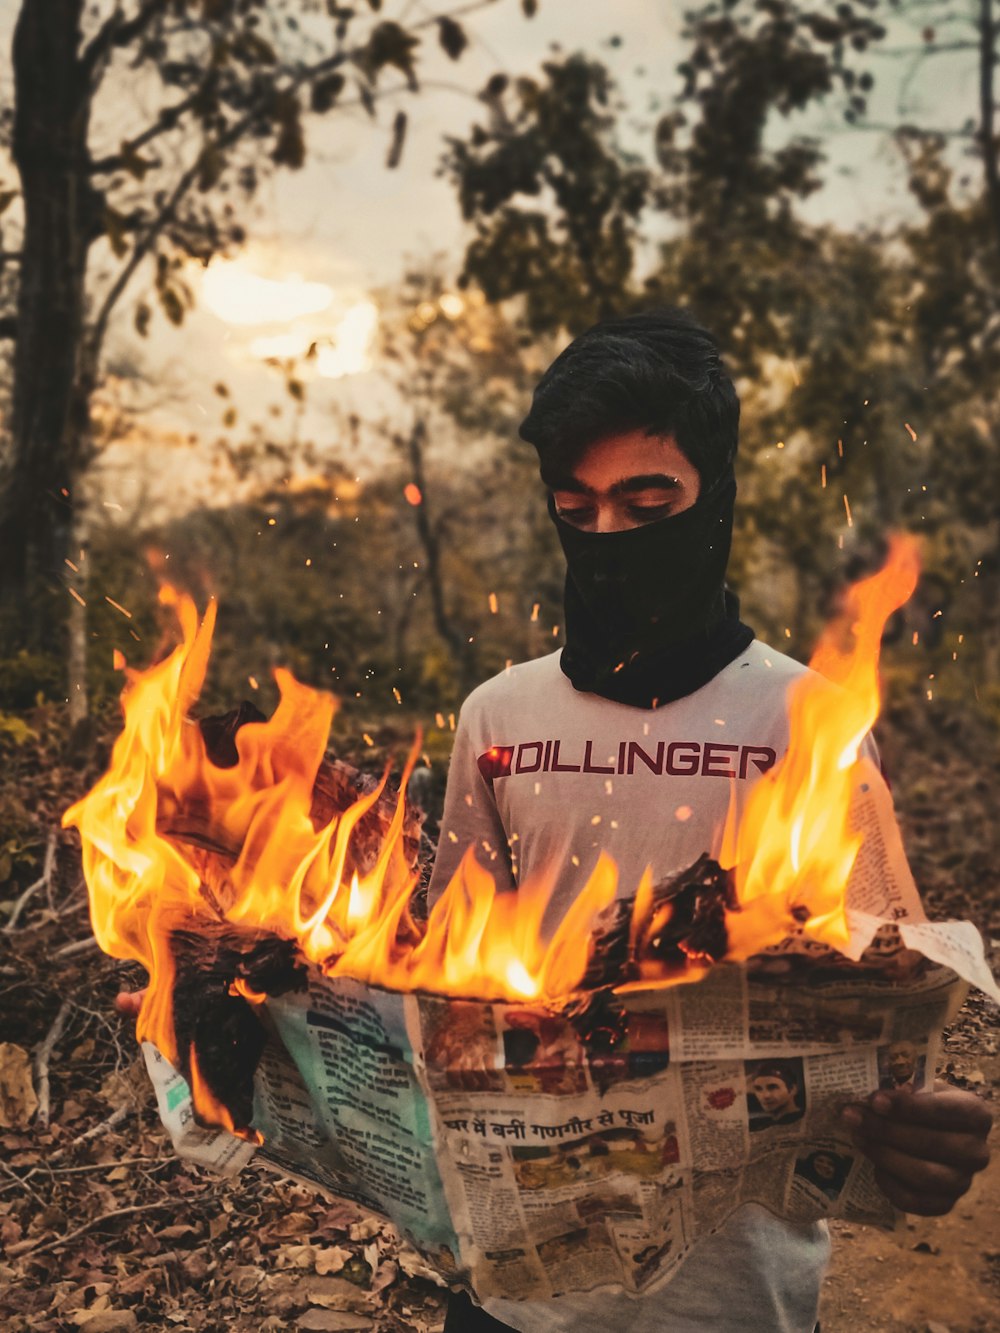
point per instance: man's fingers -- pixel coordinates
(949, 1109)
(925, 1179)
(129, 1003)
(959, 1148)
(909, 1200)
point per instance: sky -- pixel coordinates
(323, 237)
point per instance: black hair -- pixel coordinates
(786, 1070)
(658, 371)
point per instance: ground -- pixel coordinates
(103, 1229)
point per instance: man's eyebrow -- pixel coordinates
(566, 482)
(647, 481)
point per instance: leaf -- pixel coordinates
(325, 92)
(173, 306)
(398, 139)
(452, 37)
(332, 1259)
(332, 1321)
(389, 45)
(18, 1102)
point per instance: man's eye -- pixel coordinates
(578, 515)
(649, 513)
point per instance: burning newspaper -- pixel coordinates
(536, 1115)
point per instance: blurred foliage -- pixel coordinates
(866, 360)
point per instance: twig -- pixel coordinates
(22, 1183)
(43, 881)
(47, 1169)
(31, 1247)
(77, 946)
(42, 1062)
(111, 1122)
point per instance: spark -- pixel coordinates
(254, 683)
(822, 476)
(68, 561)
(396, 694)
(913, 433)
(534, 612)
(494, 604)
(683, 813)
(840, 448)
(916, 638)
(451, 721)
(118, 660)
(847, 507)
(412, 495)
(780, 444)
(74, 594)
(111, 602)
(366, 738)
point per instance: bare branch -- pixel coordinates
(42, 882)
(119, 31)
(42, 1057)
(167, 120)
(32, 1247)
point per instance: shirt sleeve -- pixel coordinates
(470, 819)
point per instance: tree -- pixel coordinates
(233, 83)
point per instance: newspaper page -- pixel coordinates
(529, 1150)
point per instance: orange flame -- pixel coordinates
(173, 841)
(794, 848)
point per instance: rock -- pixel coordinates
(934, 1326)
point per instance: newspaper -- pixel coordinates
(528, 1151)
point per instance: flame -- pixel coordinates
(794, 847)
(173, 841)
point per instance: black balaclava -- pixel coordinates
(648, 615)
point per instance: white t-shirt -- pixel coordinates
(543, 775)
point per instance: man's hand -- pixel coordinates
(925, 1146)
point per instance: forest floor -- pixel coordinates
(103, 1229)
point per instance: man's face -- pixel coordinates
(902, 1061)
(773, 1094)
(824, 1167)
(624, 482)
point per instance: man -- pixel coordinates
(776, 1086)
(619, 742)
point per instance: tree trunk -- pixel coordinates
(450, 634)
(61, 212)
(987, 109)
